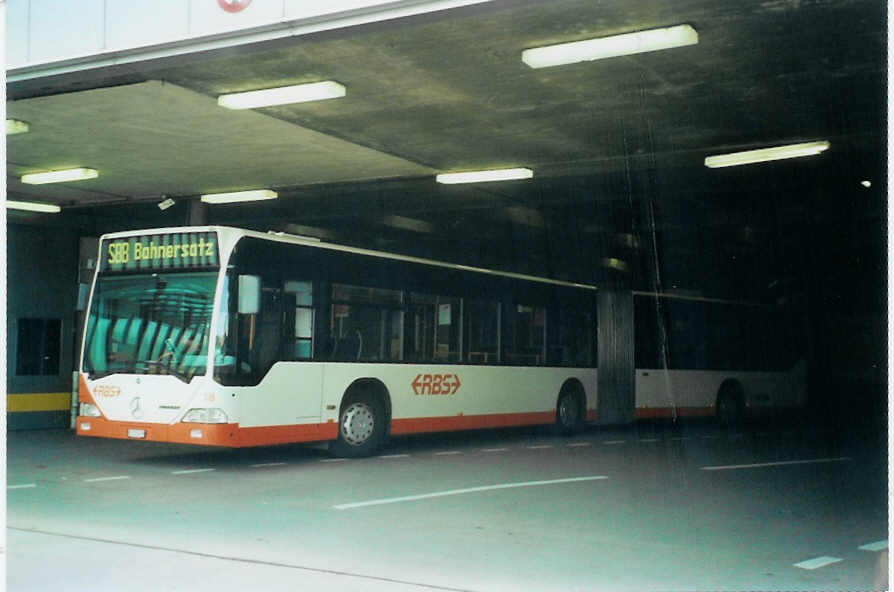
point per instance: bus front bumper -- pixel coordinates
(222, 434)
(208, 434)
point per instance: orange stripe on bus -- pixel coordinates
(470, 422)
(224, 434)
(668, 412)
(313, 432)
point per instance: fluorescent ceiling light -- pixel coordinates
(411, 224)
(33, 207)
(609, 47)
(165, 204)
(866, 184)
(766, 154)
(60, 176)
(484, 176)
(14, 126)
(308, 231)
(614, 263)
(236, 196)
(299, 93)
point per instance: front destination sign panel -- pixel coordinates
(179, 250)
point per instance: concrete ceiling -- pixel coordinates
(616, 145)
(154, 138)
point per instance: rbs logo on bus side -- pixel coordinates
(436, 384)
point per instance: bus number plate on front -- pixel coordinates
(132, 433)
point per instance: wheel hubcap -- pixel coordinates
(358, 424)
(567, 411)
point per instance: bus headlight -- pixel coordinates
(210, 415)
(89, 410)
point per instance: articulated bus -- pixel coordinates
(228, 337)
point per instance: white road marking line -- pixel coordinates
(276, 464)
(447, 453)
(817, 562)
(649, 440)
(25, 486)
(333, 460)
(494, 449)
(540, 447)
(776, 464)
(98, 479)
(577, 444)
(191, 471)
(876, 546)
(395, 456)
(411, 498)
(613, 442)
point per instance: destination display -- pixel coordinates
(179, 250)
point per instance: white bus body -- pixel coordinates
(166, 354)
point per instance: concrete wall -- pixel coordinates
(53, 31)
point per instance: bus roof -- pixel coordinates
(284, 237)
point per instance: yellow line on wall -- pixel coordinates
(38, 402)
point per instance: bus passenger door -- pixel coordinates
(280, 331)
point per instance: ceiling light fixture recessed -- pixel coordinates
(485, 176)
(237, 196)
(411, 224)
(33, 207)
(283, 95)
(165, 203)
(767, 154)
(609, 47)
(14, 126)
(60, 176)
(867, 184)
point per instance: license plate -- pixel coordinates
(136, 433)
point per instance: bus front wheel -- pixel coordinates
(361, 427)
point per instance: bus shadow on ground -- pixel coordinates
(180, 455)
(232, 458)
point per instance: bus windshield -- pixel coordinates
(150, 324)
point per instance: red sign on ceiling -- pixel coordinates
(233, 5)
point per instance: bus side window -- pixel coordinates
(571, 335)
(434, 328)
(649, 340)
(366, 324)
(482, 326)
(525, 336)
(298, 320)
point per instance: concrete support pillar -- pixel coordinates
(615, 386)
(197, 213)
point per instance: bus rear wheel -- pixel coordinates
(730, 405)
(569, 418)
(361, 427)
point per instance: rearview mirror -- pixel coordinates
(249, 294)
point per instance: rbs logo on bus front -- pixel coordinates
(435, 384)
